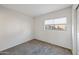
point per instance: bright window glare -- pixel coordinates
(60, 20)
(49, 22)
(56, 21)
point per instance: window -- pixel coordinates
(56, 24)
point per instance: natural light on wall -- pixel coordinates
(56, 24)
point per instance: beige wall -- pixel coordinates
(62, 38)
(15, 28)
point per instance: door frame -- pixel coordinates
(74, 29)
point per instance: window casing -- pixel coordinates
(56, 24)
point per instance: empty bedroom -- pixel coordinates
(36, 29)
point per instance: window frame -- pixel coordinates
(56, 24)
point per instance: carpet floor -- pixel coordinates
(36, 47)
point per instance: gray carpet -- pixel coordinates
(36, 47)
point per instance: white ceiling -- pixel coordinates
(36, 9)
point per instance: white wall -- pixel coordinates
(62, 38)
(15, 28)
